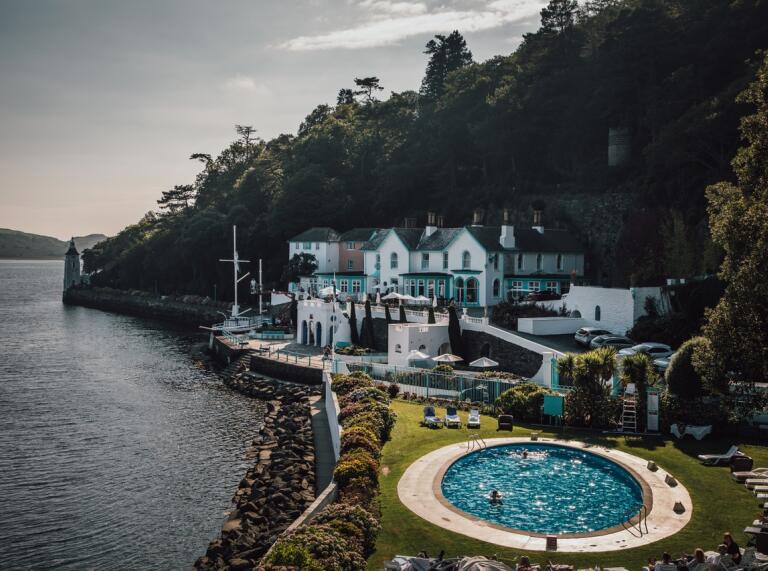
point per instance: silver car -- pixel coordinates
(617, 341)
(653, 350)
(585, 335)
(662, 364)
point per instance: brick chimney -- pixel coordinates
(507, 237)
(477, 217)
(538, 225)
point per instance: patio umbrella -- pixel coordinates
(447, 358)
(407, 297)
(392, 295)
(326, 291)
(421, 298)
(417, 356)
(484, 363)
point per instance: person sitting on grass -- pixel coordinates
(732, 548)
(697, 562)
(666, 559)
(524, 564)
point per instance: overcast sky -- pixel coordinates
(103, 101)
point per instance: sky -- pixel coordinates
(103, 101)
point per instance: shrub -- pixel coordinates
(331, 549)
(380, 420)
(523, 401)
(287, 552)
(359, 491)
(363, 394)
(362, 440)
(355, 464)
(682, 378)
(343, 384)
(351, 409)
(365, 523)
(393, 389)
(638, 369)
(443, 368)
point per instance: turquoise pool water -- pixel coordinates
(555, 489)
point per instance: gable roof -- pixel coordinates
(487, 236)
(438, 240)
(357, 235)
(317, 234)
(409, 236)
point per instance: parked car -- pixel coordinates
(617, 341)
(542, 296)
(653, 350)
(585, 335)
(662, 363)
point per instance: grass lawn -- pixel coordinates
(720, 504)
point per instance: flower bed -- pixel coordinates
(344, 534)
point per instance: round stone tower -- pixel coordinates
(71, 266)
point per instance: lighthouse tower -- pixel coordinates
(71, 266)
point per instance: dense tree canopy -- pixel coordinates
(519, 127)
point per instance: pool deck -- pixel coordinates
(419, 490)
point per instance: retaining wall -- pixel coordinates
(286, 371)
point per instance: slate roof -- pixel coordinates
(72, 251)
(357, 235)
(317, 234)
(410, 236)
(438, 240)
(488, 236)
(375, 241)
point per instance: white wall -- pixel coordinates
(326, 254)
(332, 412)
(571, 262)
(465, 242)
(391, 243)
(322, 312)
(411, 336)
(549, 325)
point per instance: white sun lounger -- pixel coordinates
(474, 418)
(718, 459)
(754, 473)
(750, 483)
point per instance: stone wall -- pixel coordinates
(510, 357)
(295, 373)
(187, 309)
(280, 486)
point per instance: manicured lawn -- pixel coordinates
(720, 504)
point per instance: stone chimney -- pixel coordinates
(538, 225)
(507, 237)
(409, 222)
(440, 221)
(431, 224)
(477, 217)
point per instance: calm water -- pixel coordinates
(554, 490)
(117, 449)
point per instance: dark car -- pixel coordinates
(542, 296)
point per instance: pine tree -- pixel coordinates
(368, 338)
(559, 16)
(354, 336)
(431, 315)
(454, 333)
(402, 314)
(446, 54)
(387, 315)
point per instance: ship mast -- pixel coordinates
(236, 261)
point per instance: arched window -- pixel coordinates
(466, 260)
(560, 262)
(471, 294)
(393, 260)
(597, 313)
(398, 348)
(496, 288)
(459, 287)
(538, 261)
(422, 348)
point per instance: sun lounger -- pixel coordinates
(719, 459)
(506, 422)
(452, 417)
(431, 420)
(750, 483)
(754, 473)
(474, 418)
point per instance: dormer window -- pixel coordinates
(466, 260)
(539, 262)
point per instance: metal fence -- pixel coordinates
(436, 384)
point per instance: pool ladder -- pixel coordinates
(475, 441)
(640, 528)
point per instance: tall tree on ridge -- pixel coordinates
(559, 16)
(367, 86)
(446, 54)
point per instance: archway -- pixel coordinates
(444, 348)
(485, 350)
(304, 332)
(575, 313)
(597, 313)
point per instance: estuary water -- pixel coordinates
(118, 450)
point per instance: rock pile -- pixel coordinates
(279, 486)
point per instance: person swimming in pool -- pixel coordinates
(525, 453)
(495, 497)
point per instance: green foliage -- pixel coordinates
(523, 401)
(738, 218)
(682, 378)
(444, 368)
(446, 55)
(357, 463)
(403, 318)
(331, 549)
(354, 335)
(506, 313)
(368, 338)
(343, 384)
(303, 264)
(353, 350)
(387, 316)
(360, 440)
(454, 333)
(589, 402)
(294, 554)
(639, 369)
(365, 525)
(431, 315)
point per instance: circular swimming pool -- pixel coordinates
(545, 488)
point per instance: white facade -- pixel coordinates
(326, 253)
(407, 337)
(321, 323)
(528, 263)
(614, 309)
(393, 260)
(549, 325)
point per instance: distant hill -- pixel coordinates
(15, 244)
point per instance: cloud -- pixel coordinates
(387, 22)
(242, 82)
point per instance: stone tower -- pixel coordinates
(71, 266)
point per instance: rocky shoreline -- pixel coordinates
(280, 485)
